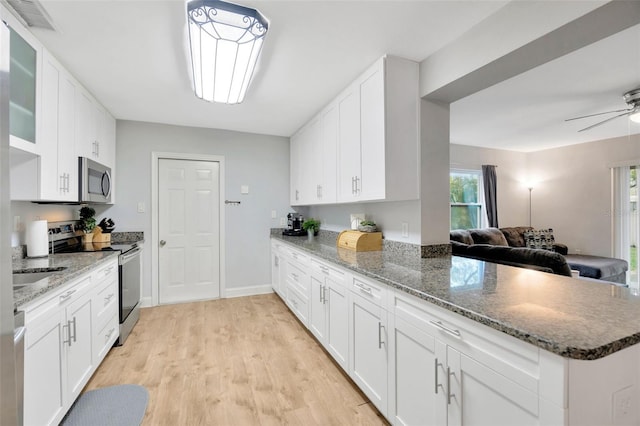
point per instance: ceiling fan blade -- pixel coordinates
(600, 113)
(605, 121)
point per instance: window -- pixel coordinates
(465, 195)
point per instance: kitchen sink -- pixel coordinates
(23, 277)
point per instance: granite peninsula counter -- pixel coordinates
(76, 264)
(573, 318)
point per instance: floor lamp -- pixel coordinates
(530, 189)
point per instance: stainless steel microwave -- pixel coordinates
(95, 181)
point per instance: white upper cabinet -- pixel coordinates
(24, 77)
(95, 130)
(53, 121)
(313, 160)
(368, 143)
(378, 142)
(58, 165)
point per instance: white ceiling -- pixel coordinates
(131, 55)
(527, 112)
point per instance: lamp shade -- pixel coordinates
(225, 42)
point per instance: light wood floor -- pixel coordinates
(242, 361)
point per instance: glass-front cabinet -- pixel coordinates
(24, 83)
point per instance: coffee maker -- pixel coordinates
(294, 225)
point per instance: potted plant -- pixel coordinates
(367, 226)
(87, 222)
(312, 227)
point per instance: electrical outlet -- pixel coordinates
(624, 409)
(405, 229)
(283, 221)
(244, 189)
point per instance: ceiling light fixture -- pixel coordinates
(635, 115)
(225, 41)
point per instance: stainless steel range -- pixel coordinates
(63, 238)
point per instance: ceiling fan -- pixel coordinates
(632, 98)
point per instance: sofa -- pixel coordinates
(507, 246)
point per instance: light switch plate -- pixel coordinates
(141, 207)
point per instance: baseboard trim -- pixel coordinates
(146, 302)
(248, 291)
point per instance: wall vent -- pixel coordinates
(31, 13)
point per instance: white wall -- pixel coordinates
(261, 162)
(573, 191)
(27, 212)
(388, 216)
(513, 195)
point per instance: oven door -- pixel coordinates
(129, 281)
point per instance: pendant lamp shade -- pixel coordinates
(225, 42)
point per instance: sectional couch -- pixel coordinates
(508, 246)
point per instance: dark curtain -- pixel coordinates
(489, 180)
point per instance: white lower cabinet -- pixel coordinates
(368, 347)
(445, 373)
(329, 310)
(60, 345)
(277, 270)
(421, 364)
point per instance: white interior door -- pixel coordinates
(188, 230)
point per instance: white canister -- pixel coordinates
(37, 236)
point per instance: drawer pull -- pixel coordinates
(108, 270)
(66, 296)
(364, 289)
(324, 269)
(108, 299)
(441, 326)
(108, 335)
(295, 276)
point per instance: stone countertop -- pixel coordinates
(571, 317)
(76, 264)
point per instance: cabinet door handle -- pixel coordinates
(380, 328)
(276, 261)
(68, 182)
(68, 340)
(297, 192)
(321, 294)
(74, 331)
(441, 326)
(353, 189)
(66, 296)
(97, 148)
(62, 185)
(324, 294)
(449, 394)
(436, 365)
(357, 189)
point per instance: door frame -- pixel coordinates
(155, 159)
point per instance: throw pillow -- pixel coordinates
(540, 239)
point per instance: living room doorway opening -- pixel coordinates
(626, 220)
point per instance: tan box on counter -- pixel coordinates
(360, 241)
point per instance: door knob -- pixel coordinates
(162, 243)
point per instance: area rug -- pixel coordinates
(121, 405)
